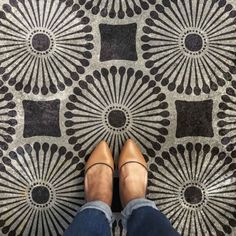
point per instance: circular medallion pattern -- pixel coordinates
(41, 190)
(7, 118)
(227, 119)
(115, 105)
(190, 45)
(114, 8)
(194, 185)
(45, 45)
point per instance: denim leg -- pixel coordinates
(141, 217)
(93, 219)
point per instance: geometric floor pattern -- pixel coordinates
(74, 72)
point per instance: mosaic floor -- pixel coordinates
(74, 72)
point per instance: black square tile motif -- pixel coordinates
(194, 118)
(118, 42)
(41, 118)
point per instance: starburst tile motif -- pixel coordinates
(41, 189)
(117, 227)
(8, 119)
(117, 9)
(227, 119)
(75, 72)
(195, 186)
(45, 45)
(115, 104)
(189, 46)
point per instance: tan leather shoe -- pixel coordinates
(131, 154)
(99, 175)
(100, 155)
(133, 173)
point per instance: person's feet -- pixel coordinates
(99, 177)
(133, 173)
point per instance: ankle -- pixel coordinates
(98, 196)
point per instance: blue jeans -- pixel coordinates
(140, 217)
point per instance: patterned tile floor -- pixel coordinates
(74, 72)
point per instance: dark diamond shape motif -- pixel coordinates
(41, 118)
(118, 42)
(194, 118)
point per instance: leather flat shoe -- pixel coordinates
(131, 154)
(132, 172)
(101, 155)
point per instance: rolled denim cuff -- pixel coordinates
(133, 205)
(101, 206)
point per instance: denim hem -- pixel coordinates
(101, 206)
(133, 205)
